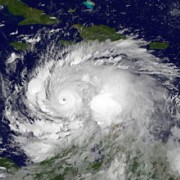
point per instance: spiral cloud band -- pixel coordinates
(89, 89)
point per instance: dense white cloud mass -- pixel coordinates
(91, 91)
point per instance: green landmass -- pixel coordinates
(31, 15)
(96, 165)
(7, 163)
(139, 165)
(66, 42)
(58, 167)
(22, 46)
(155, 167)
(158, 45)
(98, 32)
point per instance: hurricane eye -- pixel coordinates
(62, 100)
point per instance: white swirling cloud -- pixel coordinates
(102, 84)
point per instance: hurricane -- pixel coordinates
(97, 110)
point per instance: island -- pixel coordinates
(22, 46)
(66, 42)
(158, 45)
(98, 32)
(31, 15)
